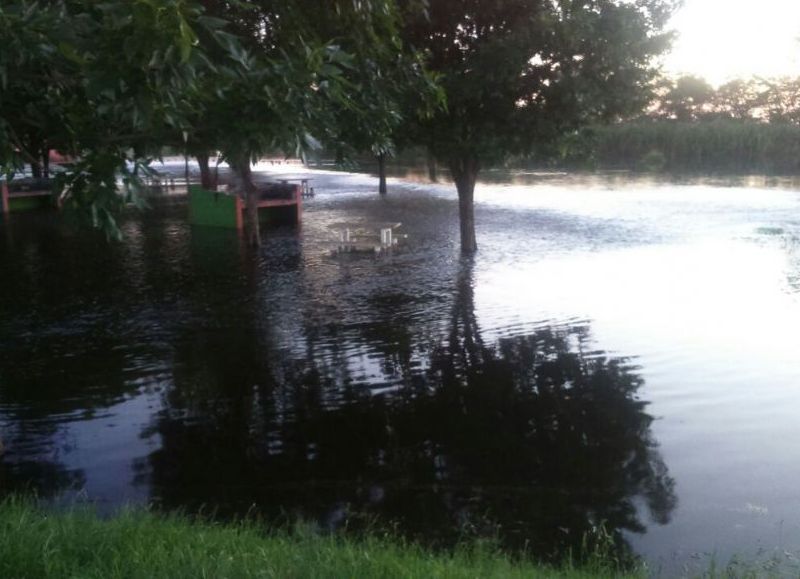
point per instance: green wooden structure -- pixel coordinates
(221, 209)
(214, 209)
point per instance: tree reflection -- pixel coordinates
(530, 439)
(47, 381)
(31, 461)
(552, 441)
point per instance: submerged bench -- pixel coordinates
(26, 194)
(225, 209)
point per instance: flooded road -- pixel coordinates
(619, 352)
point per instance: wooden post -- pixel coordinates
(4, 198)
(239, 214)
(298, 199)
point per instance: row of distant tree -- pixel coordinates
(746, 126)
(691, 98)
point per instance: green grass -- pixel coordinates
(37, 543)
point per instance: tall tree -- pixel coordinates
(111, 83)
(739, 98)
(101, 82)
(782, 100)
(688, 99)
(384, 78)
(521, 72)
(313, 72)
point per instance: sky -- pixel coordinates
(724, 39)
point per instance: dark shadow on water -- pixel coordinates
(530, 440)
(384, 404)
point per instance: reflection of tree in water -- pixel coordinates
(47, 382)
(551, 441)
(32, 463)
(73, 313)
(529, 439)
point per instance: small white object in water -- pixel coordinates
(756, 509)
(751, 509)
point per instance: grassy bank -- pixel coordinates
(39, 544)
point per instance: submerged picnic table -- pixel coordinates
(306, 190)
(365, 236)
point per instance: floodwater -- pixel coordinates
(620, 352)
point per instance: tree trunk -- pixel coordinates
(465, 173)
(252, 226)
(433, 176)
(36, 170)
(248, 190)
(207, 178)
(382, 173)
(45, 162)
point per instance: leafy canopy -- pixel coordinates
(100, 82)
(110, 83)
(328, 72)
(519, 72)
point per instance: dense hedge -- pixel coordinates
(718, 146)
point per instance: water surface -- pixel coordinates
(620, 352)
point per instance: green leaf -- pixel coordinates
(187, 39)
(70, 53)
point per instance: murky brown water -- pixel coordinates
(620, 351)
